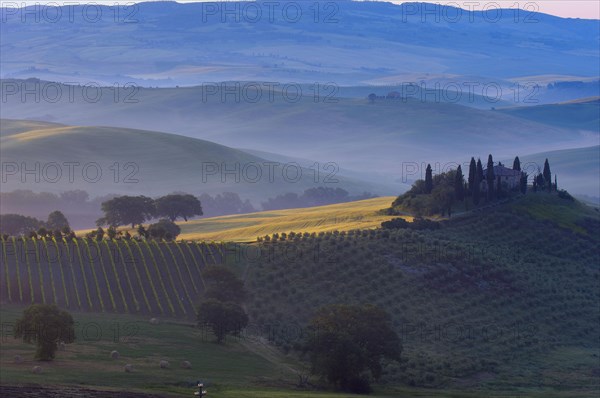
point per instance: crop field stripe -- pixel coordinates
(108, 287)
(28, 265)
(85, 282)
(93, 267)
(70, 257)
(5, 257)
(162, 255)
(114, 268)
(14, 240)
(135, 300)
(62, 274)
(159, 277)
(50, 270)
(139, 277)
(39, 264)
(197, 265)
(187, 266)
(210, 253)
(150, 281)
(189, 298)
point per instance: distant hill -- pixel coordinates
(581, 114)
(346, 42)
(146, 162)
(345, 131)
(577, 169)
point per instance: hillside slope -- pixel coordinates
(483, 303)
(116, 160)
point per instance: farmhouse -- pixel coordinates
(509, 178)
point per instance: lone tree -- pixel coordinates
(223, 285)
(124, 210)
(350, 343)
(46, 326)
(57, 221)
(221, 310)
(428, 179)
(175, 206)
(222, 318)
(547, 176)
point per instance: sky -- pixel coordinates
(588, 9)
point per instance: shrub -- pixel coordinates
(114, 354)
(396, 223)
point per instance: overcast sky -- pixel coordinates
(589, 9)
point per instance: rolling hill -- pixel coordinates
(346, 131)
(149, 163)
(583, 114)
(347, 42)
(484, 305)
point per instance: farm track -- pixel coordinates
(35, 391)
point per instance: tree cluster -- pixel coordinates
(57, 225)
(438, 194)
(317, 196)
(124, 210)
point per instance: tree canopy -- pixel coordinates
(176, 206)
(350, 342)
(57, 221)
(124, 210)
(220, 310)
(46, 326)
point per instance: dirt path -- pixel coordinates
(36, 391)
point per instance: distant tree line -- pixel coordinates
(317, 196)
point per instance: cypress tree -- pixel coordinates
(459, 184)
(523, 183)
(475, 190)
(547, 176)
(472, 171)
(479, 173)
(517, 164)
(428, 179)
(490, 178)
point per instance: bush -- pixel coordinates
(396, 223)
(164, 229)
(565, 195)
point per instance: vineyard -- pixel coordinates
(120, 276)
